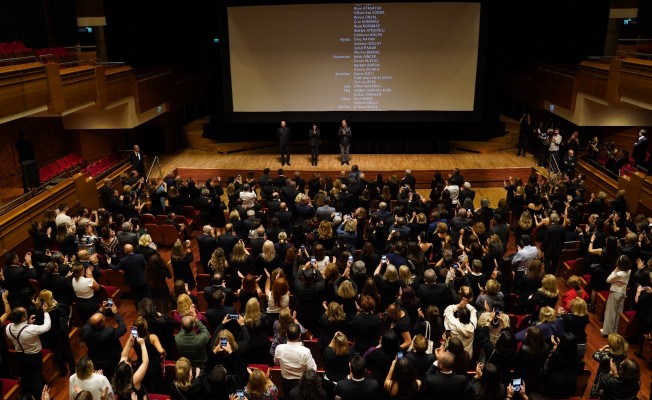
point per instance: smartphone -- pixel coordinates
(448, 333)
(350, 259)
(313, 260)
(399, 354)
(240, 393)
(234, 316)
(516, 384)
(383, 259)
(109, 303)
(303, 247)
(456, 265)
(223, 342)
(134, 332)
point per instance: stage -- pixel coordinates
(482, 170)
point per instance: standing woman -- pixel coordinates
(313, 143)
(401, 381)
(153, 380)
(618, 278)
(156, 273)
(85, 287)
(126, 381)
(181, 264)
(616, 350)
(186, 385)
(57, 337)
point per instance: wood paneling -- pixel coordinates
(93, 144)
(592, 78)
(78, 85)
(152, 91)
(557, 87)
(120, 83)
(22, 87)
(596, 180)
(89, 8)
(636, 79)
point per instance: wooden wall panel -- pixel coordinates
(22, 87)
(596, 180)
(89, 8)
(78, 86)
(94, 144)
(592, 79)
(152, 91)
(636, 79)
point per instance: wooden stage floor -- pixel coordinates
(482, 170)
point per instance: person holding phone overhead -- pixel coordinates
(344, 135)
(313, 143)
(284, 133)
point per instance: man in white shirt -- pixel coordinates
(62, 217)
(553, 148)
(25, 336)
(454, 191)
(248, 197)
(293, 358)
(524, 256)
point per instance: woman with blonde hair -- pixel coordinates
(256, 323)
(575, 322)
(546, 295)
(337, 356)
(260, 387)
(185, 307)
(615, 350)
(285, 318)
(218, 260)
(325, 235)
(548, 323)
(490, 294)
(268, 260)
(387, 283)
(186, 386)
(333, 320)
(406, 278)
(346, 295)
(85, 378)
(57, 337)
(348, 230)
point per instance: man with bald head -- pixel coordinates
(103, 341)
(192, 344)
(133, 265)
(228, 240)
(441, 381)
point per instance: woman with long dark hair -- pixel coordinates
(126, 381)
(401, 381)
(486, 384)
(156, 272)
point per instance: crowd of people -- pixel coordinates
(403, 293)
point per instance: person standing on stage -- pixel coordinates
(313, 143)
(284, 134)
(27, 162)
(640, 148)
(137, 161)
(345, 142)
(555, 141)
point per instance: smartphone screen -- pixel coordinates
(516, 383)
(239, 393)
(233, 316)
(109, 302)
(134, 332)
(223, 342)
(399, 354)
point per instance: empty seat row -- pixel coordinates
(55, 54)
(101, 165)
(60, 166)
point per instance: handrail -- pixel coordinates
(19, 58)
(634, 40)
(153, 74)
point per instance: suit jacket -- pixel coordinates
(227, 241)
(313, 137)
(446, 386)
(207, 245)
(464, 193)
(285, 221)
(349, 389)
(106, 193)
(284, 135)
(216, 314)
(438, 294)
(133, 266)
(553, 241)
(60, 286)
(104, 346)
(16, 279)
(344, 135)
(137, 163)
(126, 238)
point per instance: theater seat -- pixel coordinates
(169, 234)
(601, 303)
(628, 324)
(154, 231)
(10, 389)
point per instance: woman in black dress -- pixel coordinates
(154, 381)
(181, 264)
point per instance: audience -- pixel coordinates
(327, 265)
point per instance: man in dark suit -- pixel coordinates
(460, 221)
(217, 284)
(344, 135)
(126, 236)
(456, 177)
(103, 342)
(313, 143)
(227, 240)
(304, 210)
(299, 182)
(60, 286)
(27, 160)
(106, 192)
(445, 384)
(640, 148)
(553, 243)
(409, 180)
(207, 245)
(289, 194)
(433, 293)
(280, 181)
(133, 266)
(17, 276)
(357, 385)
(284, 134)
(251, 222)
(136, 159)
(466, 193)
(284, 217)
(256, 242)
(274, 204)
(216, 309)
